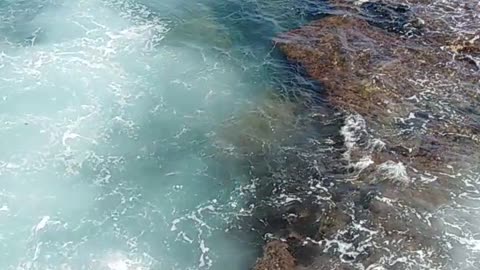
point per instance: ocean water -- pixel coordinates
(109, 112)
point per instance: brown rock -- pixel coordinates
(391, 82)
(334, 221)
(275, 257)
(455, 24)
(419, 95)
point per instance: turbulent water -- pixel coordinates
(125, 126)
(108, 118)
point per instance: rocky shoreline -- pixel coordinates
(407, 78)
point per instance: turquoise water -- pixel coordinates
(110, 113)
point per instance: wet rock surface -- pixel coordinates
(276, 257)
(411, 96)
(408, 82)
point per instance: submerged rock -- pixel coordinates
(263, 126)
(390, 81)
(391, 17)
(444, 22)
(396, 17)
(413, 128)
(201, 27)
(365, 198)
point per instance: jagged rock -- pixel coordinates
(446, 23)
(414, 89)
(264, 125)
(415, 101)
(276, 257)
(391, 17)
(390, 81)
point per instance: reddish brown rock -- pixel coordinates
(418, 95)
(455, 24)
(276, 257)
(411, 94)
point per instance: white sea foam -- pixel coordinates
(42, 224)
(352, 132)
(393, 171)
(359, 144)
